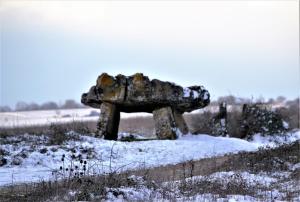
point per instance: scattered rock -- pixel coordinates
(17, 160)
(3, 162)
(3, 152)
(257, 118)
(23, 154)
(43, 150)
(53, 149)
(128, 138)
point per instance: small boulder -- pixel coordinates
(43, 150)
(257, 118)
(17, 160)
(3, 162)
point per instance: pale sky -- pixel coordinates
(54, 50)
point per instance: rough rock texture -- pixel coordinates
(180, 122)
(164, 122)
(108, 121)
(137, 93)
(220, 121)
(258, 119)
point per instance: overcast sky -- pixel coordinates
(54, 50)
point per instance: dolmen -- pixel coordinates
(137, 93)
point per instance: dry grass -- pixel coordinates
(265, 160)
(200, 123)
(76, 126)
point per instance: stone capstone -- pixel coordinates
(137, 93)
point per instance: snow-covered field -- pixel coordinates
(267, 187)
(28, 158)
(46, 117)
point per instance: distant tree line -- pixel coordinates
(71, 104)
(232, 100)
(23, 106)
(257, 116)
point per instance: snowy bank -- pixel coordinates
(31, 160)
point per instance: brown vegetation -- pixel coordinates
(265, 160)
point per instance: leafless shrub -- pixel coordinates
(235, 186)
(291, 113)
(85, 128)
(5, 109)
(57, 134)
(95, 187)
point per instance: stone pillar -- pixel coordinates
(180, 122)
(109, 119)
(220, 121)
(164, 122)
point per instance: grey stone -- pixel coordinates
(17, 160)
(220, 121)
(3, 162)
(164, 122)
(137, 93)
(180, 122)
(108, 121)
(257, 118)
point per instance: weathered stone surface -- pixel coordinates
(256, 118)
(180, 122)
(108, 121)
(220, 121)
(3, 162)
(164, 122)
(137, 93)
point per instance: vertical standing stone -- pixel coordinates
(164, 123)
(180, 122)
(220, 121)
(109, 119)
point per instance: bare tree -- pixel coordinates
(280, 99)
(229, 99)
(261, 99)
(49, 105)
(70, 104)
(271, 101)
(21, 106)
(5, 109)
(33, 106)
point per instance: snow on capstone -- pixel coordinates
(206, 97)
(186, 92)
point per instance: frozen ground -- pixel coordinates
(28, 158)
(46, 117)
(231, 186)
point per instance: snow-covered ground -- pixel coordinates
(28, 158)
(46, 117)
(241, 185)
